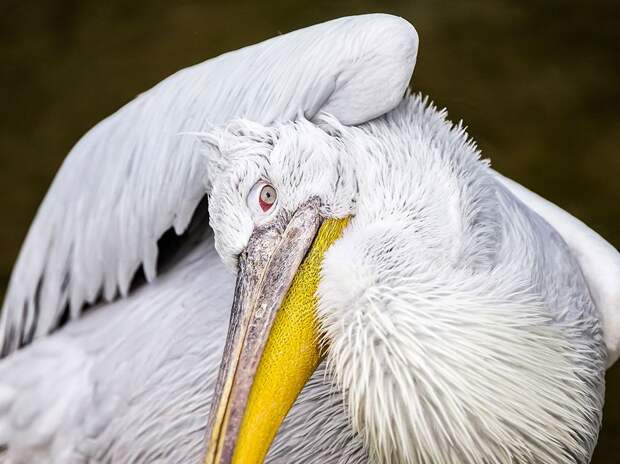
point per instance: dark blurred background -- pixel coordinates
(535, 81)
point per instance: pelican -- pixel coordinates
(280, 254)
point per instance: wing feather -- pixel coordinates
(599, 261)
(133, 176)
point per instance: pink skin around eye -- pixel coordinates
(264, 205)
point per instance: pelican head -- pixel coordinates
(278, 196)
(383, 248)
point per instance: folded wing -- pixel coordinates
(599, 261)
(134, 175)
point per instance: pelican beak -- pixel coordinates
(272, 345)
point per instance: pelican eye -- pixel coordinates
(261, 200)
(267, 197)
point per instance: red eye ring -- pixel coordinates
(267, 197)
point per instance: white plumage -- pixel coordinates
(460, 323)
(460, 327)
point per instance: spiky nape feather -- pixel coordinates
(460, 328)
